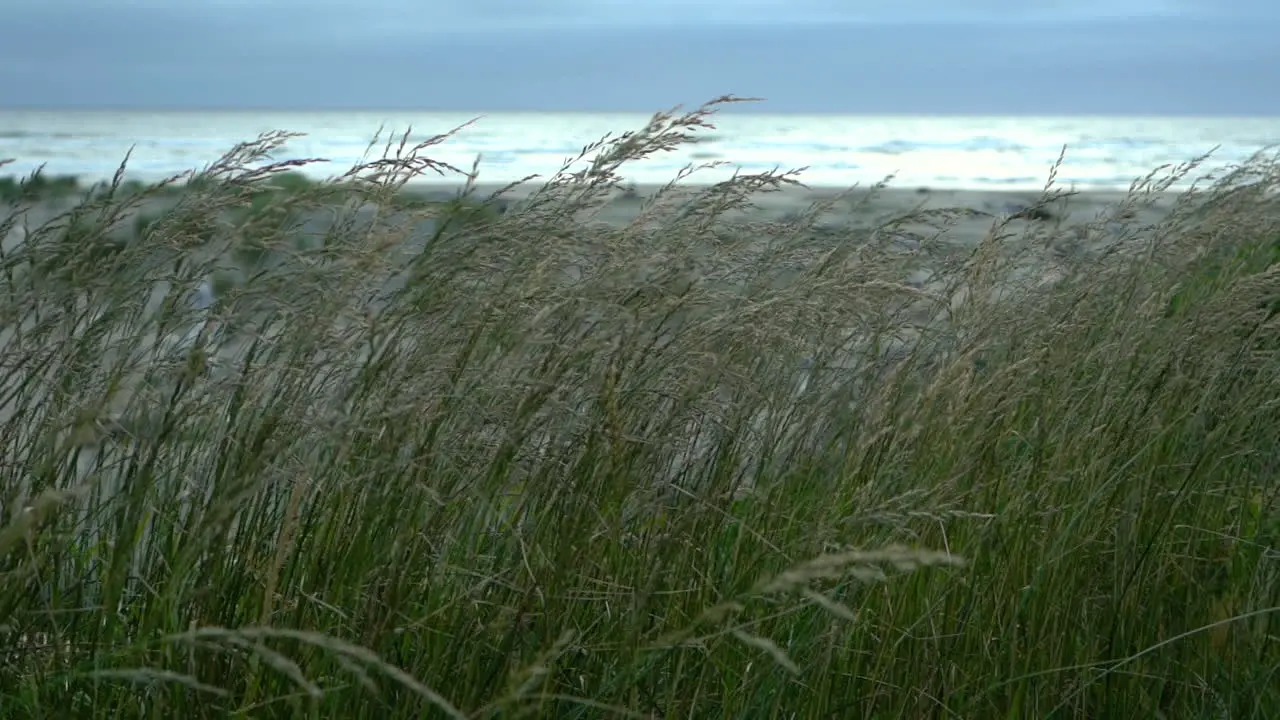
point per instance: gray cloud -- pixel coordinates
(1162, 56)
(415, 16)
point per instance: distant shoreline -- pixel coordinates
(859, 207)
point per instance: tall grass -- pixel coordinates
(443, 461)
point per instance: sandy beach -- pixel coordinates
(865, 208)
(862, 206)
(856, 206)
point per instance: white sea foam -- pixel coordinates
(998, 153)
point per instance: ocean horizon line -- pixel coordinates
(743, 108)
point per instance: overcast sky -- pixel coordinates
(1196, 57)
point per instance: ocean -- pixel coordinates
(967, 153)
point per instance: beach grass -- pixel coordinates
(446, 460)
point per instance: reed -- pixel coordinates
(492, 459)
